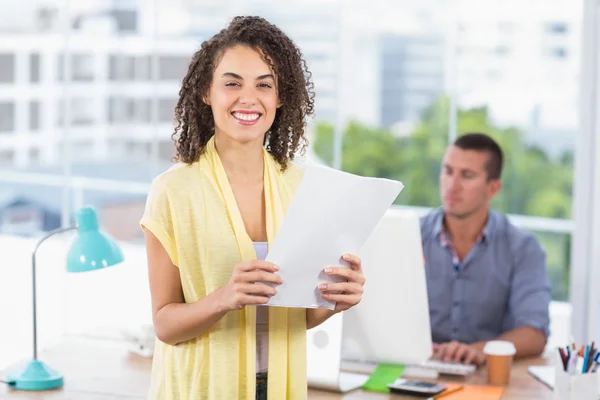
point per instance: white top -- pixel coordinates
(262, 320)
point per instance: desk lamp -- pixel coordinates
(91, 250)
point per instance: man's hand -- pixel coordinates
(459, 352)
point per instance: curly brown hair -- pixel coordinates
(194, 119)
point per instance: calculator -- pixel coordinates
(415, 387)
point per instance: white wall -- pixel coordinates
(585, 261)
(102, 301)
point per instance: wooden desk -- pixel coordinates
(97, 370)
(522, 386)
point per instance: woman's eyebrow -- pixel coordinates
(236, 76)
(233, 75)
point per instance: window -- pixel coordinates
(166, 109)
(83, 67)
(34, 68)
(415, 123)
(7, 157)
(34, 156)
(21, 220)
(115, 109)
(121, 67)
(172, 67)
(558, 52)
(166, 150)
(143, 68)
(81, 111)
(128, 110)
(34, 115)
(388, 103)
(7, 116)
(118, 109)
(142, 110)
(7, 68)
(557, 27)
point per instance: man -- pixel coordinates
(486, 279)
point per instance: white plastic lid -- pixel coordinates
(499, 348)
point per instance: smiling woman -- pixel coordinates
(249, 72)
(209, 222)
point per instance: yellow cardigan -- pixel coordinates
(192, 211)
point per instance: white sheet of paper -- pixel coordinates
(332, 213)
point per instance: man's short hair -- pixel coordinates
(482, 142)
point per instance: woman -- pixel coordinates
(210, 218)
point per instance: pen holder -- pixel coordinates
(575, 386)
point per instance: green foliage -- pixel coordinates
(533, 183)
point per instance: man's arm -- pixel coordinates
(527, 321)
(528, 341)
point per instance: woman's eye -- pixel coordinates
(265, 85)
(232, 84)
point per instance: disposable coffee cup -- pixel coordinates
(499, 355)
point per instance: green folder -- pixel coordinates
(383, 375)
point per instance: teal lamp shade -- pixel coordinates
(91, 249)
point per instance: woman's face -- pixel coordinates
(243, 95)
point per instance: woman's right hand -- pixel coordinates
(245, 286)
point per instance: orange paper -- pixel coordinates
(474, 393)
(450, 388)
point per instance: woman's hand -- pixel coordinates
(345, 294)
(245, 286)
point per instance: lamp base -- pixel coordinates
(35, 375)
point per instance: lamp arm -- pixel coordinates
(52, 233)
(33, 280)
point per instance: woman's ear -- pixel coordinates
(206, 99)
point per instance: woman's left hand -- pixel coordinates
(345, 294)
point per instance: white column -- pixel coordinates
(21, 108)
(338, 132)
(66, 155)
(585, 255)
(49, 98)
(100, 93)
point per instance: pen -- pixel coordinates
(563, 358)
(445, 393)
(595, 362)
(573, 363)
(585, 359)
(591, 356)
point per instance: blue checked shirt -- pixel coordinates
(500, 285)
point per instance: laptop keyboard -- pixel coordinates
(445, 368)
(449, 368)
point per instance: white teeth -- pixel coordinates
(246, 117)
